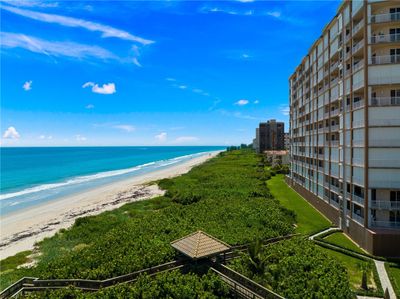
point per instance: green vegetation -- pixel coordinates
(12, 262)
(226, 197)
(393, 270)
(340, 239)
(296, 269)
(355, 267)
(309, 220)
(167, 285)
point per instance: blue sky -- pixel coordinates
(149, 72)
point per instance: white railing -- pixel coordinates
(358, 46)
(384, 142)
(385, 101)
(335, 128)
(335, 143)
(358, 199)
(384, 163)
(385, 59)
(358, 161)
(385, 122)
(385, 38)
(391, 224)
(357, 218)
(385, 204)
(388, 17)
(358, 65)
(358, 26)
(358, 142)
(334, 65)
(334, 112)
(335, 189)
(358, 104)
(358, 123)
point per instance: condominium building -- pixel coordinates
(270, 135)
(345, 124)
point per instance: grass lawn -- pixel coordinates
(309, 220)
(394, 275)
(353, 266)
(342, 240)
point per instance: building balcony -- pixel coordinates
(385, 101)
(358, 218)
(358, 46)
(358, 199)
(385, 122)
(385, 38)
(335, 112)
(358, 27)
(388, 17)
(335, 128)
(357, 66)
(358, 104)
(385, 224)
(385, 205)
(334, 143)
(385, 59)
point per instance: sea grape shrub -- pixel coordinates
(172, 284)
(297, 268)
(232, 205)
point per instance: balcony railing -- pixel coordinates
(385, 122)
(358, 104)
(358, 46)
(385, 59)
(388, 224)
(385, 101)
(335, 143)
(358, 65)
(385, 205)
(385, 38)
(358, 218)
(335, 128)
(335, 112)
(358, 26)
(358, 199)
(388, 17)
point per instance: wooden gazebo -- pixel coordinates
(200, 245)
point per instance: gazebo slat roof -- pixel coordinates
(199, 245)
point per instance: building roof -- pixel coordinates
(199, 245)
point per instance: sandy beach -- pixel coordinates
(21, 230)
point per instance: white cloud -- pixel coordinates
(197, 90)
(52, 48)
(275, 14)
(107, 88)
(182, 86)
(170, 79)
(126, 128)
(80, 138)
(256, 101)
(30, 3)
(161, 137)
(245, 56)
(43, 137)
(135, 50)
(136, 62)
(27, 85)
(107, 31)
(242, 102)
(11, 133)
(89, 106)
(285, 110)
(186, 139)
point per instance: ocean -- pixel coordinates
(33, 175)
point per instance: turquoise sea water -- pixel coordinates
(31, 176)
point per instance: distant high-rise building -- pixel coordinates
(287, 141)
(270, 136)
(345, 124)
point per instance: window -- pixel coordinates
(395, 13)
(394, 34)
(394, 55)
(394, 195)
(395, 96)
